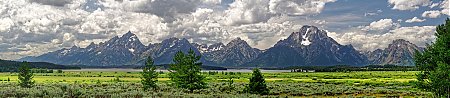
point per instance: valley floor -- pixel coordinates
(285, 84)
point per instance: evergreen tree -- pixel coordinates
(434, 63)
(186, 72)
(149, 75)
(257, 83)
(25, 75)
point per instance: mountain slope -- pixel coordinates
(169, 47)
(309, 46)
(235, 53)
(399, 52)
(116, 51)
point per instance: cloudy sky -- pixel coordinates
(34, 27)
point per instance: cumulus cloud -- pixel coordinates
(408, 4)
(297, 7)
(381, 25)
(254, 11)
(35, 28)
(431, 14)
(212, 2)
(443, 10)
(247, 11)
(204, 26)
(5, 24)
(168, 9)
(445, 7)
(30, 31)
(415, 19)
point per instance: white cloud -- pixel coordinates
(408, 4)
(247, 11)
(431, 14)
(381, 25)
(444, 10)
(434, 5)
(445, 7)
(35, 28)
(204, 26)
(5, 24)
(212, 2)
(415, 19)
(255, 11)
(297, 7)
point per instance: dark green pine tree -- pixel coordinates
(149, 75)
(257, 83)
(186, 72)
(25, 76)
(434, 64)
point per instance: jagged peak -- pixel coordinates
(237, 41)
(129, 40)
(170, 42)
(400, 42)
(307, 35)
(309, 27)
(184, 40)
(308, 30)
(129, 36)
(171, 39)
(91, 45)
(218, 44)
(74, 47)
(115, 38)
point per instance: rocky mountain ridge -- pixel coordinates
(310, 46)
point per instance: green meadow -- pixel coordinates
(220, 84)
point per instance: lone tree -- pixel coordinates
(149, 75)
(25, 76)
(257, 84)
(185, 72)
(434, 63)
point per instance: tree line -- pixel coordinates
(13, 66)
(349, 68)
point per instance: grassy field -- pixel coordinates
(318, 84)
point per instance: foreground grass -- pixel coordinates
(382, 76)
(320, 84)
(216, 89)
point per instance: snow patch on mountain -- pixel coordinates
(131, 50)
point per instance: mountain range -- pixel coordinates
(310, 46)
(399, 52)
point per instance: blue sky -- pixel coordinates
(34, 27)
(360, 8)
